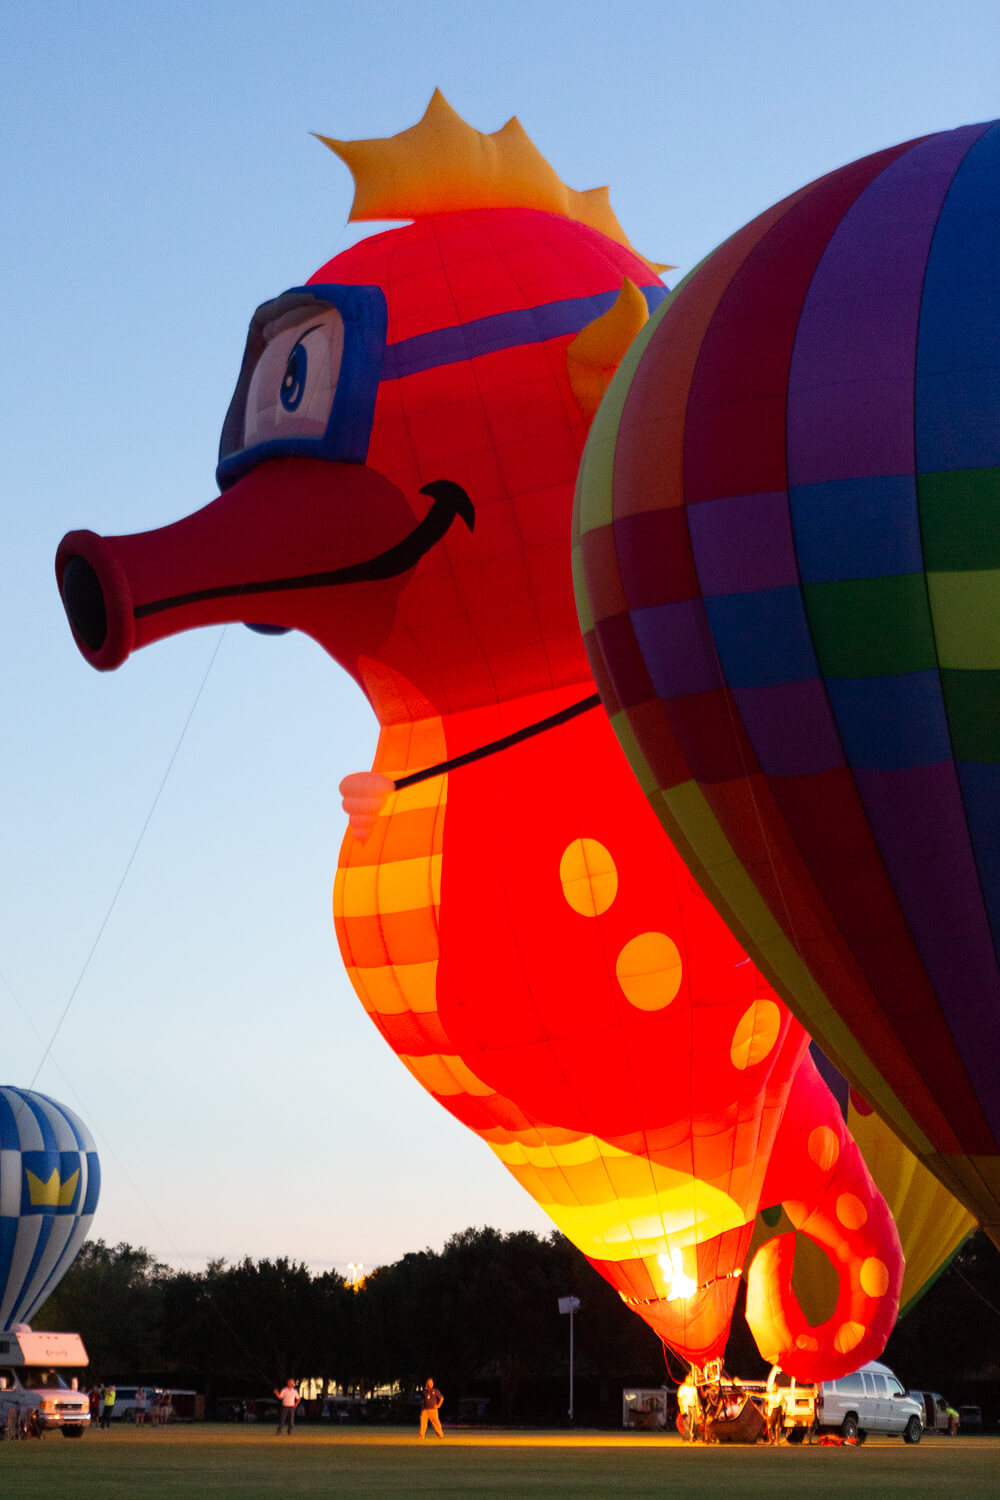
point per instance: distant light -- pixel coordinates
(355, 1273)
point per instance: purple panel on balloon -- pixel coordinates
(742, 543)
(963, 971)
(830, 436)
(941, 899)
(916, 812)
(919, 822)
(850, 393)
(791, 727)
(981, 796)
(677, 648)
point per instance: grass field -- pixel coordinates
(192, 1463)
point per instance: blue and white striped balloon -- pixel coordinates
(49, 1184)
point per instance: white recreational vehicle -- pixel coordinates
(34, 1378)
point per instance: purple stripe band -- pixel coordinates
(528, 325)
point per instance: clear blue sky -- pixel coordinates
(159, 182)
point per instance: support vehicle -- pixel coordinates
(789, 1406)
(870, 1400)
(35, 1379)
(938, 1415)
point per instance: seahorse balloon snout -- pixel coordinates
(398, 466)
(281, 545)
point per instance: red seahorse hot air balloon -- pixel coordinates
(397, 470)
(796, 490)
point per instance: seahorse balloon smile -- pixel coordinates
(397, 472)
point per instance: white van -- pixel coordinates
(870, 1400)
(31, 1379)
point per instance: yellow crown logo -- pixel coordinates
(51, 1194)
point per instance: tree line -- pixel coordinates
(480, 1315)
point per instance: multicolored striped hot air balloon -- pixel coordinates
(50, 1180)
(788, 562)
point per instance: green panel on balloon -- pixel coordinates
(966, 611)
(972, 702)
(871, 627)
(960, 519)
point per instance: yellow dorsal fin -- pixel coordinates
(597, 351)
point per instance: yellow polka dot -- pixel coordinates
(589, 877)
(874, 1277)
(806, 1343)
(851, 1211)
(824, 1148)
(797, 1212)
(649, 970)
(755, 1034)
(848, 1337)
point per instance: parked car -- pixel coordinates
(870, 1400)
(938, 1415)
(970, 1418)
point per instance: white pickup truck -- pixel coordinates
(789, 1406)
(32, 1380)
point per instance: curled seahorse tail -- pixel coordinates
(818, 1175)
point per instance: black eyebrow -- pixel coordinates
(306, 334)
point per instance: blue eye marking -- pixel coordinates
(293, 382)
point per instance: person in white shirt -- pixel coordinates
(289, 1398)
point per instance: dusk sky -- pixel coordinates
(168, 963)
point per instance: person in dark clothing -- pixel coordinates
(431, 1400)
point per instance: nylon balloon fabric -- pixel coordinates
(788, 564)
(50, 1181)
(397, 471)
(930, 1221)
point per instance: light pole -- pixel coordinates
(570, 1305)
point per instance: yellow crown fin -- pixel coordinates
(443, 165)
(597, 351)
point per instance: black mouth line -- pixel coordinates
(450, 500)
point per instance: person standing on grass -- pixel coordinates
(431, 1401)
(687, 1408)
(289, 1399)
(108, 1409)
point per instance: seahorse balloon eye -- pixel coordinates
(511, 913)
